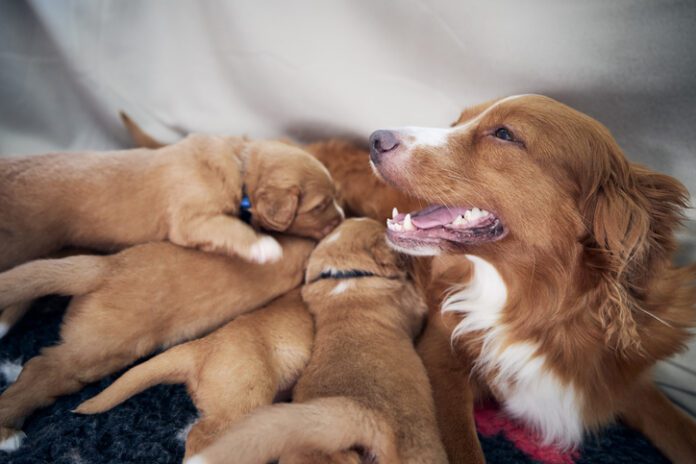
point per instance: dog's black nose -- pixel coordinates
(382, 141)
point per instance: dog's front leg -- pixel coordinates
(227, 235)
(452, 392)
(673, 432)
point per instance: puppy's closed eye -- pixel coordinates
(321, 206)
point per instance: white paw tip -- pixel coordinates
(4, 328)
(197, 459)
(10, 370)
(266, 249)
(13, 442)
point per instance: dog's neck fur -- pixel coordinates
(539, 343)
(516, 371)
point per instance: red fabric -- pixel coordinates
(490, 421)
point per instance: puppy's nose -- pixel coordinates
(382, 141)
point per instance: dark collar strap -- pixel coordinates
(344, 274)
(245, 207)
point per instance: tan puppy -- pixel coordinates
(228, 373)
(348, 164)
(128, 305)
(188, 193)
(364, 385)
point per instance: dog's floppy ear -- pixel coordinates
(275, 208)
(630, 214)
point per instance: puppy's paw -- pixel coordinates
(197, 459)
(11, 439)
(265, 250)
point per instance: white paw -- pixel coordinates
(196, 459)
(4, 328)
(13, 442)
(265, 250)
(10, 370)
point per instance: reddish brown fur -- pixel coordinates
(128, 304)
(228, 373)
(364, 384)
(188, 193)
(586, 261)
(347, 162)
(588, 256)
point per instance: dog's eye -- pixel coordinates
(504, 134)
(321, 206)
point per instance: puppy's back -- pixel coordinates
(364, 351)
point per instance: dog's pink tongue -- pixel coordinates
(434, 216)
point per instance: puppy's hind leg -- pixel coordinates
(173, 366)
(85, 355)
(11, 314)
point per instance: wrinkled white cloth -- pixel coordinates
(308, 69)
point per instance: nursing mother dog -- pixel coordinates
(561, 292)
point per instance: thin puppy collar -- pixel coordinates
(344, 274)
(245, 206)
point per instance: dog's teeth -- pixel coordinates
(484, 213)
(408, 225)
(458, 221)
(393, 225)
(467, 216)
(395, 213)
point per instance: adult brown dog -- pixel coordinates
(229, 373)
(559, 254)
(127, 305)
(364, 384)
(188, 193)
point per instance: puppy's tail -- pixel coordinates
(325, 424)
(172, 366)
(75, 275)
(139, 136)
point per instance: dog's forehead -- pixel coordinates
(507, 105)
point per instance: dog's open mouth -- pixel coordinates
(443, 226)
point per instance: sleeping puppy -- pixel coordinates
(127, 305)
(188, 193)
(348, 164)
(230, 372)
(564, 295)
(364, 385)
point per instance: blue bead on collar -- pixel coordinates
(245, 207)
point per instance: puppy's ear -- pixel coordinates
(630, 213)
(275, 208)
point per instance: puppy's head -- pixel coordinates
(529, 179)
(354, 258)
(290, 191)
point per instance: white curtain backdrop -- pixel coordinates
(308, 69)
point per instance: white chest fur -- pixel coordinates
(523, 383)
